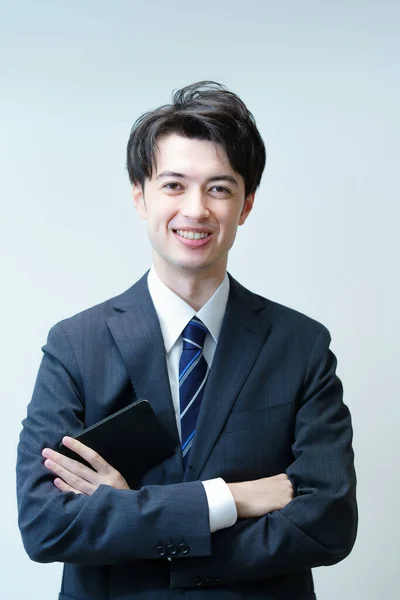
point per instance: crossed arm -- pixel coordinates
(252, 498)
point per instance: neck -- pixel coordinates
(195, 288)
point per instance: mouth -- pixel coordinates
(192, 235)
(193, 239)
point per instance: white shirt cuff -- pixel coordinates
(221, 505)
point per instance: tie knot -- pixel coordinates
(194, 334)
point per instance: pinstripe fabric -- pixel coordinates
(193, 372)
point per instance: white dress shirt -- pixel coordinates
(174, 314)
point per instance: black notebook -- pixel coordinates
(132, 440)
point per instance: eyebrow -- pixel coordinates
(223, 177)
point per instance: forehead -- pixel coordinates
(190, 156)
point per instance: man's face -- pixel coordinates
(193, 205)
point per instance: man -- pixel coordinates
(262, 485)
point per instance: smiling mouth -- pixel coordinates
(192, 235)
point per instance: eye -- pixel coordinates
(220, 190)
(172, 186)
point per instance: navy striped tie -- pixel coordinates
(193, 371)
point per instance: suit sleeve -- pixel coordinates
(318, 527)
(111, 526)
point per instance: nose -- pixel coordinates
(194, 205)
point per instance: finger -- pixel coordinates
(72, 479)
(71, 465)
(64, 487)
(92, 457)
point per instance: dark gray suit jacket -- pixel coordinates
(272, 404)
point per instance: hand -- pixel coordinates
(72, 476)
(261, 496)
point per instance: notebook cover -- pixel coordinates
(132, 440)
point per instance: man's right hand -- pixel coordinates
(261, 496)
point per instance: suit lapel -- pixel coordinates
(136, 331)
(243, 334)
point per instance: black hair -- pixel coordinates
(206, 111)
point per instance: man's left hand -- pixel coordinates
(72, 476)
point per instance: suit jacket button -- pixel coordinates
(171, 550)
(183, 548)
(210, 581)
(198, 581)
(161, 551)
(218, 581)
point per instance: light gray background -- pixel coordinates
(322, 79)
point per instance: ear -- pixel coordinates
(247, 207)
(138, 200)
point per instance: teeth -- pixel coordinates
(191, 235)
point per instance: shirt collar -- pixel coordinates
(174, 313)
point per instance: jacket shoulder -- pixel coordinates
(279, 315)
(95, 317)
(292, 317)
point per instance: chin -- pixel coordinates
(185, 266)
(192, 265)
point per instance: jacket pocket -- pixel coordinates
(262, 417)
